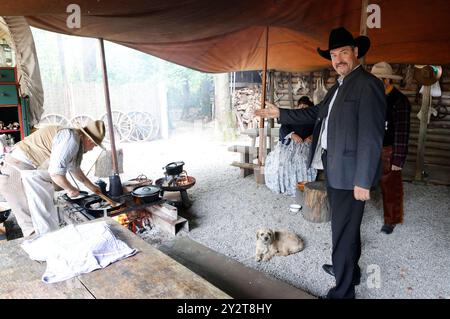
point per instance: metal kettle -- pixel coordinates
(115, 186)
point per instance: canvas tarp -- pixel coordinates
(17, 29)
(228, 35)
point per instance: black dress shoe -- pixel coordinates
(387, 228)
(329, 270)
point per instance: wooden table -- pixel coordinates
(148, 274)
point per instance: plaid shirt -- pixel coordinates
(397, 126)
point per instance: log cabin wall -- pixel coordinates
(437, 145)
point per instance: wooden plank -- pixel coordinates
(231, 276)
(21, 277)
(245, 165)
(148, 274)
(164, 210)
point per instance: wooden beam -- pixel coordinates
(426, 101)
(271, 94)
(290, 94)
(363, 25)
(262, 135)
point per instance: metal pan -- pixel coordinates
(77, 200)
(100, 212)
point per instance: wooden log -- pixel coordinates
(315, 206)
(422, 132)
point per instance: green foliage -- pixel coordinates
(77, 60)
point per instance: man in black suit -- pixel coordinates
(347, 143)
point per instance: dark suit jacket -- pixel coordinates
(355, 129)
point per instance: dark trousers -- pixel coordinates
(392, 188)
(346, 217)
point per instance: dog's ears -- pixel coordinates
(257, 234)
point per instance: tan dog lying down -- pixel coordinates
(271, 243)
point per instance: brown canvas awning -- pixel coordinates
(228, 35)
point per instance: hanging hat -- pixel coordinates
(384, 70)
(341, 37)
(95, 130)
(427, 74)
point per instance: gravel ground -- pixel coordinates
(412, 262)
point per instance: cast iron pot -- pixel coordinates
(174, 168)
(147, 194)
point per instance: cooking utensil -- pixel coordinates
(174, 168)
(147, 194)
(109, 200)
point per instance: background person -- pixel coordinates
(395, 147)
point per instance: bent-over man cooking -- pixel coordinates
(42, 157)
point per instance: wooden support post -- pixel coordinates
(108, 109)
(291, 96)
(363, 25)
(426, 102)
(262, 135)
(271, 94)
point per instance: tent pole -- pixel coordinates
(363, 26)
(108, 108)
(262, 135)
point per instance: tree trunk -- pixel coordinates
(315, 208)
(225, 121)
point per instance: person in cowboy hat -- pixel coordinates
(39, 159)
(395, 147)
(347, 142)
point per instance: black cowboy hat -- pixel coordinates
(341, 37)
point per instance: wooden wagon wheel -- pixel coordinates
(142, 126)
(80, 120)
(155, 128)
(53, 119)
(122, 125)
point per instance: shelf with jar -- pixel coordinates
(13, 114)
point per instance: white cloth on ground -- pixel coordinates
(75, 250)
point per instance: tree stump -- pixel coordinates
(316, 207)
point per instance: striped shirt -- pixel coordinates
(67, 152)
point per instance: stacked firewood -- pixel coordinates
(245, 102)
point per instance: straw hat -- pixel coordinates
(95, 130)
(384, 70)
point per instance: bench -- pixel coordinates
(248, 155)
